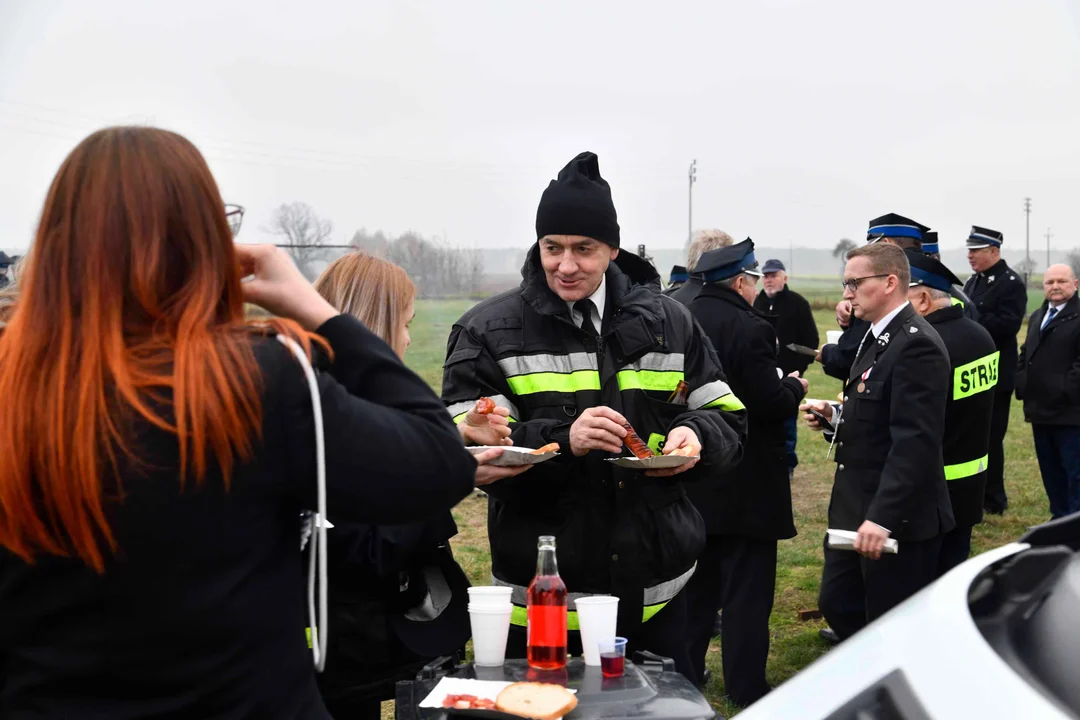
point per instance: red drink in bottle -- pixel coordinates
(547, 611)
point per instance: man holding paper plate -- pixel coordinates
(890, 479)
(584, 349)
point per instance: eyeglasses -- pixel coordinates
(853, 283)
(235, 215)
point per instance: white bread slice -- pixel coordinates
(542, 701)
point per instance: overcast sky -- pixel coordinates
(806, 118)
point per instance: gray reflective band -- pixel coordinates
(708, 393)
(562, 364)
(458, 410)
(660, 362)
(655, 595)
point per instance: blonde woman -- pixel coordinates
(382, 576)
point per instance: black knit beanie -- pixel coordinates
(579, 203)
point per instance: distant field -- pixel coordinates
(795, 644)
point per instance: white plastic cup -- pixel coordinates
(489, 596)
(833, 336)
(597, 618)
(490, 629)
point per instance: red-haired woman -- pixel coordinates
(157, 451)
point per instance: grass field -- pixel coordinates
(795, 644)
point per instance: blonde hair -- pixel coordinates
(704, 241)
(373, 290)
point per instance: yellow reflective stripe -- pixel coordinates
(648, 380)
(975, 377)
(307, 631)
(957, 301)
(656, 442)
(651, 610)
(520, 616)
(966, 469)
(727, 402)
(554, 382)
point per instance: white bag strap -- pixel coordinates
(320, 630)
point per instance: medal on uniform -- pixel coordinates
(862, 387)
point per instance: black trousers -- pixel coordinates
(856, 591)
(955, 548)
(663, 634)
(995, 498)
(737, 574)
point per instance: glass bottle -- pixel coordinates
(547, 611)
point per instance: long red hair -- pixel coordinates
(130, 307)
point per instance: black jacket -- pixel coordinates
(837, 358)
(202, 610)
(686, 292)
(888, 446)
(618, 531)
(1048, 378)
(794, 323)
(753, 499)
(1001, 298)
(974, 362)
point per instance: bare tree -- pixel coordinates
(438, 269)
(1073, 258)
(842, 248)
(304, 233)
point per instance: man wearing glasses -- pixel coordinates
(890, 479)
(837, 359)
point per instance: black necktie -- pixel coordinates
(585, 307)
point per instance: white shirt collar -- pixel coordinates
(879, 327)
(599, 300)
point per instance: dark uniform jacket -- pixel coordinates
(754, 499)
(889, 443)
(1001, 299)
(794, 323)
(686, 292)
(618, 531)
(837, 358)
(974, 361)
(200, 613)
(1048, 379)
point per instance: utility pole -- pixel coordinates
(1027, 240)
(1048, 236)
(690, 212)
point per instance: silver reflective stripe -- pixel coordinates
(660, 362)
(665, 591)
(655, 595)
(707, 393)
(563, 364)
(458, 410)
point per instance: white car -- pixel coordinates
(997, 637)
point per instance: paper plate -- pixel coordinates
(658, 462)
(512, 456)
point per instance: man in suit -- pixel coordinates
(793, 319)
(1000, 296)
(837, 359)
(746, 509)
(1048, 381)
(974, 362)
(890, 479)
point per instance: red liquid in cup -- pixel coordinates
(612, 665)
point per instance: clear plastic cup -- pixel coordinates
(612, 656)
(490, 629)
(489, 596)
(597, 619)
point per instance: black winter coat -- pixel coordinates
(889, 444)
(1048, 379)
(753, 499)
(618, 531)
(974, 362)
(1001, 298)
(794, 323)
(201, 612)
